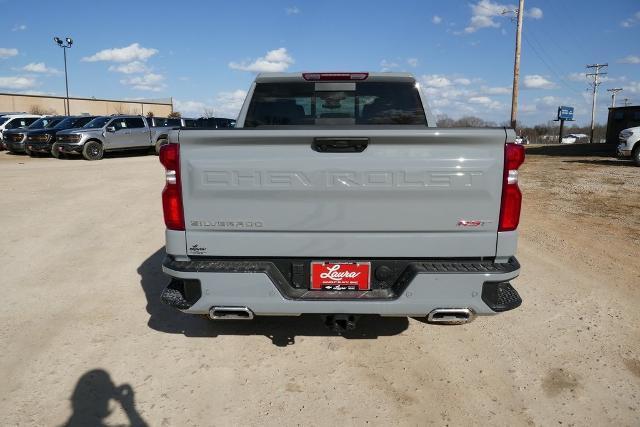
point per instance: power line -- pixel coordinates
(550, 68)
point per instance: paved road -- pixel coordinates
(85, 340)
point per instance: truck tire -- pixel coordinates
(28, 152)
(160, 143)
(635, 154)
(92, 150)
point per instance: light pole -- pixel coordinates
(66, 44)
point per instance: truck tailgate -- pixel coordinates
(410, 193)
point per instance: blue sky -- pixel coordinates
(205, 54)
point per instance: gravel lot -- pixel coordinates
(85, 340)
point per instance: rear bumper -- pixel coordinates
(422, 287)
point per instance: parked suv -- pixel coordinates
(109, 133)
(14, 121)
(15, 138)
(42, 140)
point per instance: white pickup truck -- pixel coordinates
(336, 195)
(629, 147)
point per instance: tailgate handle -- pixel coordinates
(340, 145)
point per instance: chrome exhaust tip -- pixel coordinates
(451, 316)
(230, 313)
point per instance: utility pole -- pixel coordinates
(594, 84)
(626, 101)
(516, 65)
(613, 95)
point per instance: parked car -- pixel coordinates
(15, 138)
(42, 140)
(172, 122)
(336, 195)
(574, 138)
(14, 121)
(110, 133)
(522, 140)
(629, 147)
(215, 123)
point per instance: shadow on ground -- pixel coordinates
(280, 330)
(568, 150)
(91, 400)
(603, 162)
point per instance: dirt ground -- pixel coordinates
(84, 339)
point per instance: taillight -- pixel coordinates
(172, 193)
(334, 76)
(511, 195)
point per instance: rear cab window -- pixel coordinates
(335, 104)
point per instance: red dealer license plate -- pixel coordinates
(340, 276)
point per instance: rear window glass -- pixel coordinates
(373, 103)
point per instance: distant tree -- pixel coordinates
(174, 115)
(473, 122)
(37, 109)
(445, 121)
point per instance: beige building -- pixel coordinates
(44, 104)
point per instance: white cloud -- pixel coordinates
(20, 27)
(536, 81)
(387, 65)
(130, 68)
(435, 80)
(276, 60)
(190, 108)
(230, 103)
(39, 67)
(462, 81)
(412, 62)
(630, 22)
(17, 82)
(485, 101)
(7, 52)
(630, 59)
(499, 90)
(150, 82)
(130, 53)
(548, 101)
(292, 10)
(633, 87)
(480, 100)
(485, 12)
(534, 13)
(436, 19)
(577, 77)
(225, 104)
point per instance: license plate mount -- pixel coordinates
(340, 276)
